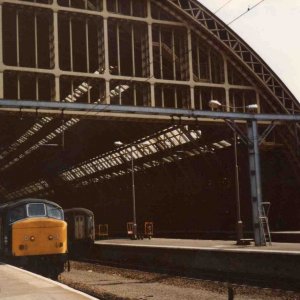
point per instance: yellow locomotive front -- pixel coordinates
(37, 235)
(38, 229)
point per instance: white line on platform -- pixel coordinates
(214, 248)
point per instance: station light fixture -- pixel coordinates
(214, 104)
(252, 108)
(118, 143)
(224, 143)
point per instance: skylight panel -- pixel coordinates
(218, 145)
(225, 143)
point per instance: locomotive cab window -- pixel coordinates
(16, 214)
(54, 212)
(36, 210)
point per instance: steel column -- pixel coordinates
(255, 181)
(1, 56)
(227, 96)
(133, 196)
(87, 47)
(71, 43)
(17, 38)
(106, 58)
(191, 71)
(239, 222)
(54, 61)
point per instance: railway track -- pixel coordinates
(86, 269)
(85, 272)
(228, 280)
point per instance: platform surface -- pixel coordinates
(293, 248)
(19, 284)
(285, 232)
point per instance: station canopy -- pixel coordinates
(78, 55)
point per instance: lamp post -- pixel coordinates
(118, 144)
(215, 104)
(239, 224)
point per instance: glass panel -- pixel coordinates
(137, 8)
(36, 210)
(91, 226)
(94, 5)
(16, 214)
(54, 212)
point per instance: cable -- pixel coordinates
(215, 12)
(249, 8)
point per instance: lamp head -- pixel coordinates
(252, 108)
(118, 143)
(214, 104)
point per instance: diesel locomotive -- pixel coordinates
(33, 234)
(81, 230)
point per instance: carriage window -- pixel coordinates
(91, 222)
(55, 212)
(16, 214)
(91, 225)
(36, 210)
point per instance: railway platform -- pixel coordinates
(203, 245)
(16, 283)
(278, 264)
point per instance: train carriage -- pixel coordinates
(33, 234)
(81, 230)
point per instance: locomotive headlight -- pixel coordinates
(59, 244)
(32, 238)
(50, 237)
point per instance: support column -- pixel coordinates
(258, 102)
(191, 71)
(227, 96)
(239, 222)
(106, 55)
(256, 195)
(151, 60)
(1, 56)
(54, 59)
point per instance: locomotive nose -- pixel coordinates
(39, 236)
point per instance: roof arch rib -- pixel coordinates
(241, 50)
(283, 101)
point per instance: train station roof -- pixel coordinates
(189, 57)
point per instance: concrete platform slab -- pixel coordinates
(278, 264)
(204, 245)
(19, 284)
